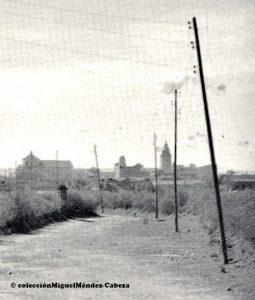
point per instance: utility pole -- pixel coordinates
(156, 174)
(15, 174)
(211, 146)
(31, 177)
(98, 178)
(5, 181)
(9, 181)
(57, 171)
(175, 162)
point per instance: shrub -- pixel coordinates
(24, 212)
(34, 211)
(144, 201)
(79, 205)
(166, 206)
(8, 209)
(124, 199)
(183, 197)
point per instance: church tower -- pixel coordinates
(166, 159)
(122, 161)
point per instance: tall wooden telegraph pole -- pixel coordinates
(57, 168)
(175, 162)
(31, 175)
(156, 175)
(15, 174)
(98, 179)
(211, 146)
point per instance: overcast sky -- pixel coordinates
(75, 73)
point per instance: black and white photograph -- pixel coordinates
(127, 166)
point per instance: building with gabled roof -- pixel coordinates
(44, 172)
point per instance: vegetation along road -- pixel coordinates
(151, 258)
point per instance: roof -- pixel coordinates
(53, 163)
(28, 157)
(206, 167)
(49, 163)
(129, 167)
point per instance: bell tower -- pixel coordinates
(122, 161)
(166, 159)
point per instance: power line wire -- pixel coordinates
(82, 12)
(82, 52)
(89, 28)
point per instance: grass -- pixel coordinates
(143, 201)
(22, 212)
(240, 214)
(238, 211)
(238, 207)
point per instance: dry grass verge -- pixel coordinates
(22, 213)
(238, 207)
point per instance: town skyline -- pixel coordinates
(69, 82)
(3, 170)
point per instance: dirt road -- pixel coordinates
(156, 262)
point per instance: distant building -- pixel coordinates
(166, 160)
(242, 184)
(238, 182)
(204, 172)
(122, 170)
(127, 183)
(194, 172)
(44, 172)
(122, 161)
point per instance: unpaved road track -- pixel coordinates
(156, 262)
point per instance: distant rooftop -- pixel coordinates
(61, 163)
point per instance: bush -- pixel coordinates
(24, 212)
(124, 199)
(144, 201)
(238, 207)
(183, 197)
(166, 206)
(8, 209)
(120, 199)
(30, 212)
(80, 205)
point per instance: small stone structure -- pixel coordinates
(62, 192)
